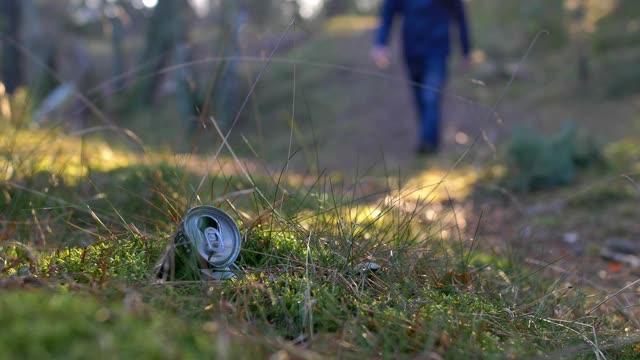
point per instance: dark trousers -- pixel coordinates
(428, 75)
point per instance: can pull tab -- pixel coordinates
(214, 239)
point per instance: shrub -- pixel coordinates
(536, 161)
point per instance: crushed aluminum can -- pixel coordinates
(206, 245)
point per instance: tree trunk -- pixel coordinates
(577, 29)
(117, 38)
(11, 55)
(583, 59)
(187, 89)
(232, 20)
(36, 34)
(165, 30)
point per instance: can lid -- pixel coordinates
(214, 234)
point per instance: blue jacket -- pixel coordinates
(426, 26)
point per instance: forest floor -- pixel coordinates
(321, 177)
(372, 135)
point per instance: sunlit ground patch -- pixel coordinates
(24, 153)
(344, 25)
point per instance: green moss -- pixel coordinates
(629, 351)
(129, 259)
(74, 326)
(624, 153)
(266, 245)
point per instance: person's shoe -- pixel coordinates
(426, 149)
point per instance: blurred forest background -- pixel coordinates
(162, 67)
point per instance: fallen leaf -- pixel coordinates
(614, 267)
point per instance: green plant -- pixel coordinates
(536, 161)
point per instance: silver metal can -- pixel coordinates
(206, 245)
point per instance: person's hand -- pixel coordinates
(380, 55)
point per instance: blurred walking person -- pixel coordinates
(426, 25)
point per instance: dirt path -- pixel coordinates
(380, 121)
